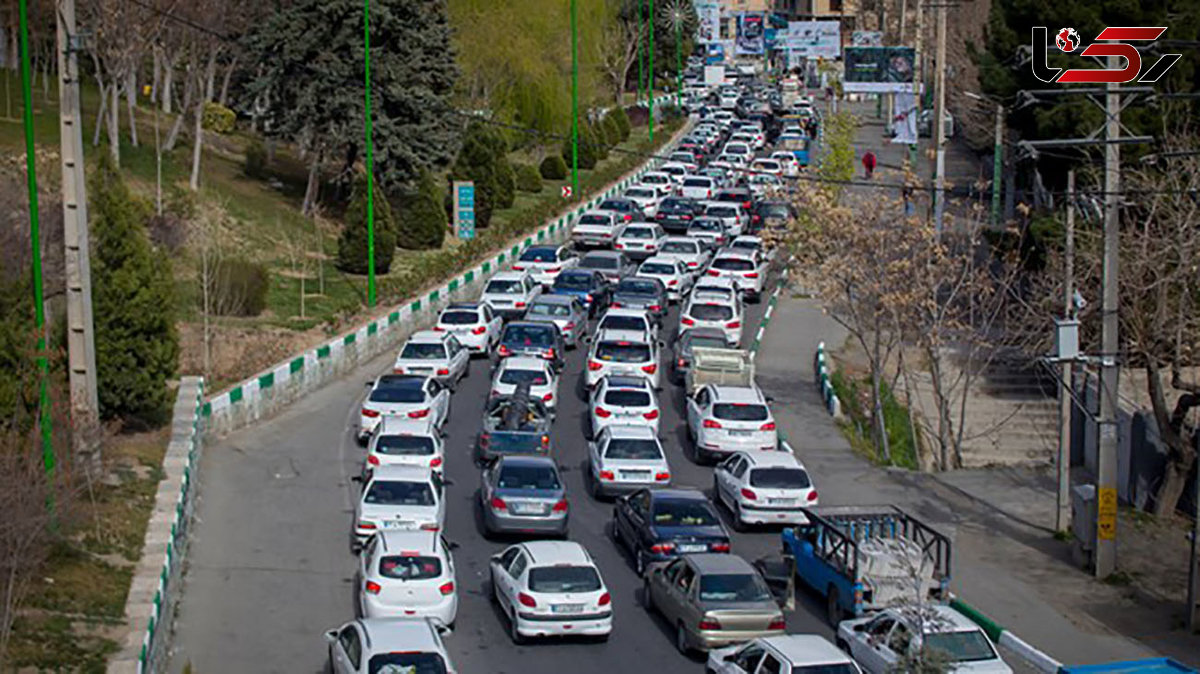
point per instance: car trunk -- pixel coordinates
(528, 502)
(633, 470)
(692, 539)
(401, 594)
(742, 616)
(399, 517)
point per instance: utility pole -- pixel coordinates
(370, 156)
(678, 60)
(1106, 466)
(574, 106)
(939, 129)
(650, 81)
(998, 171)
(81, 339)
(918, 80)
(640, 50)
(1062, 519)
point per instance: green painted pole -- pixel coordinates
(39, 312)
(574, 105)
(678, 64)
(650, 82)
(370, 156)
(997, 165)
(640, 50)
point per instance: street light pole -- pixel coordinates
(998, 164)
(640, 51)
(939, 126)
(574, 104)
(678, 60)
(650, 81)
(370, 157)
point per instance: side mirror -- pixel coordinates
(331, 636)
(769, 399)
(356, 478)
(447, 483)
(662, 344)
(453, 545)
(443, 629)
(369, 383)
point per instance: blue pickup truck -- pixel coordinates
(862, 558)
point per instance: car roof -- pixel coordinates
(620, 381)
(682, 239)
(405, 426)
(601, 253)
(417, 540)
(747, 237)
(528, 461)
(734, 252)
(543, 553)
(640, 225)
(772, 459)
(385, 635)
(637, 432)
(548, 249)
(949, 620)
(532, 324)
(428, 337)
(606, 214)
(523, 363)
(625, 311)
(713, 562)
(401, 472)
(508, 276)
(677, 494)
(738, 394)
(806, 649)
(635, 277)
(400, 381)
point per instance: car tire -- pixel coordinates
(647, 599)
(639, 562)
(681, 642)
(513, 630)
(833, 609)
(736, 522)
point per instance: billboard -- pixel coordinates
(751, 34)
(714, 54)
(866, 38)
(879, 69)
(814, 39)
(708, 12)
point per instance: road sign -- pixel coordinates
(566, 191)
(464, 209)
(1106, 520)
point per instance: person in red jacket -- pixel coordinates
(868, 162)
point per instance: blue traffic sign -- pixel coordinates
(464, 210)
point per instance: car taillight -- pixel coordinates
(752, 274)
(628, 217)
(479, 330)
(602, 413)
(373, 588)
(687, 321)
(604, 600)
(655, 307)
(756, 218)
(588, 297)
(708, 194)
(673, 282)
(619, 246)
(733, 324)
(662, 476)
(594, 365)
(369, 413)
(709, 423)
(650, 369)
(662, 548)
(616, 305)
(485, 439)
(549, 354)
(519, 305)
(681, 363)
(504, 351)
(693, 263)
(713, 272)
(435, 462)
(545, 441)
(769, 426)
(746, 205)
(652, 414)
(446, 588)
(548, 397)
(719, 547)
(518, 267)
(526, 600)
(686, 217)
(429, 526)
(749, 494)
(708, 624)
(570, 325)
(373, 460)
(777, 624)
(607, 475)
(553, 270)
(498, 503)
(812, 495)
(561, 506)
(419, 414)
(443, 371)
(438, 328)
(366, 525)
(397, 370)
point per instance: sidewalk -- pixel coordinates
(1015, 573)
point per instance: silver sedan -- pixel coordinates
(565, 311)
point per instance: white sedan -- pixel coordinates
(646, 197)
(399, 497)
(640, 240)
(431, 353)
(474, 324)
(879, 642)
(545, 263)
(539, 583)
(403, 395)
(688, 250)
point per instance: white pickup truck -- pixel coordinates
(723, 367)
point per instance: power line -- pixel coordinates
(185, 21)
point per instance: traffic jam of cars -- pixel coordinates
(654, 287)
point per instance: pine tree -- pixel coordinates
(423, 217)
(137, 347)
(353, 243)
(476, 163)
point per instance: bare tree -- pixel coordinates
(209, 237)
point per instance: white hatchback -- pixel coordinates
(764, 487)
(624, 353)
(746, 270)
(673, 273)
(545, 263)
(620, 400)
(407, 574)
(791, 165)
(725, 419)
(537, 372)
(730, 213)
(627, 320)
(710, 311)
(399, 497)
(640, 240)
(676, 170)
(403, 395)
(660, 182)
(688, 250)
(626, 458)
(399, 441)
(551, 588)
(646, 197)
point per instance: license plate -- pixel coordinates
(693, 547)
(781, 501)
(397, 524)
(635, 474)
(739, 434)
(526, 508)
(566, 608)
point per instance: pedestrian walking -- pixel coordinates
(868, 162)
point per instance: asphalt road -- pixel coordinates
(270, 568)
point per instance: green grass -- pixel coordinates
(858, 427)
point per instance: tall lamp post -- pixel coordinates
(574, 104)
(650, 81)
(370, 156)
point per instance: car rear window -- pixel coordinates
(740, 411)
(423, 352)
(711, 312)
(514, 377)
(745, 244)
(780, 478)
(398, 394)
(410, 567)
(627, 398)
(538, 255)
(399, 493)
(638, 233)
(527, 477)
(529, 335)
(640, 194)
(459, 318)
(733, 587)
(706, 226)
(637, 286)
(733, 264)
(633, 448)
(404, 445)
(563, 579)
(598, 262)
(681, 513)
(573, 281)
(830, 668)
(657, 268)
(406, 663)
(679, 247)
(697, 182)
(619, 206)
(623, 352)
(623, 323)
(722, 211)
(548, 309)
(504, 287)
(594, 220)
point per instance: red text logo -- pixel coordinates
(1111, 41)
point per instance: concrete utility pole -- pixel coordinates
(1062, 517)
(939, 128)
(81, 340)
(1106, 464)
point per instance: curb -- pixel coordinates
(821, 371)
(1040, 660)
(766, 319)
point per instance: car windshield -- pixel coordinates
(737, 149)
(600, 262)
(657, 268)
(528, 477)
(460, 318)
(679, 247)
(549, 309)
(633, 448)
(404, 445)
(655, 180)
(638, 233)
(733, 264)
(410, 567)
(623, 352)
(740, 411)
(745, 244)
(637, 287)
(399, 493)
(563, 579)
(676, 205)
(711, 312)
(538, 255)
(731, 196)
(503, 287)
(529, 335)
(594, 220)
(733, 587)
(514, 377)
(406, 663)
(778, 477)
(620, 398)
(423, 352)
(966, 646)
(681, 513)
(398, 394)
(623, 323)
(573, 281)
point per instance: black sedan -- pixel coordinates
(659, 524)
(589, 285)
(676, 213)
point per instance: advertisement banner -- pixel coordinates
(905, 121)
(814, 39)
(714, 54)
(866, 38)
(879, 70)
(751, 36)
(708, 12)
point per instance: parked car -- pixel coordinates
(371, 645)
(613, 264)
(537, 373)
(623, 401)
(879, 642)
(724, 419)
(407, 574)
(400, 441)
(399, 497)
(764, 488)
(509, 292)
(516, 424)
(656, 525)
(588, 286)
(597, 229)
(710, 338)
(623, 353)
(788, 654)
(642, 292)
(540, 339)
(545, 263)
(640, 241)
(523, 495)
(568, 313)
(712, 600)
(474, 324)
(539, 582)
(430, 353)
(625, 458)
(672, 273)
(413, 396)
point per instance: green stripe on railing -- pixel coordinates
(350, 338)
(206, 410)
(528, 241)
(453, 285)
(415, 306)
(517, 249)
(487, 267)
(500, 258)
(433, 297)
(372, 328)
(393, 317)
(267, 380)
(989, 627)
(469, 277)
(235, 394)
(296, 365)
(323, 351)
(541, 234)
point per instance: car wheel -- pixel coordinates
(647, 598)
(639, 562)
(833, 609)
(681, 641)
(736, 521)
(513, 631)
